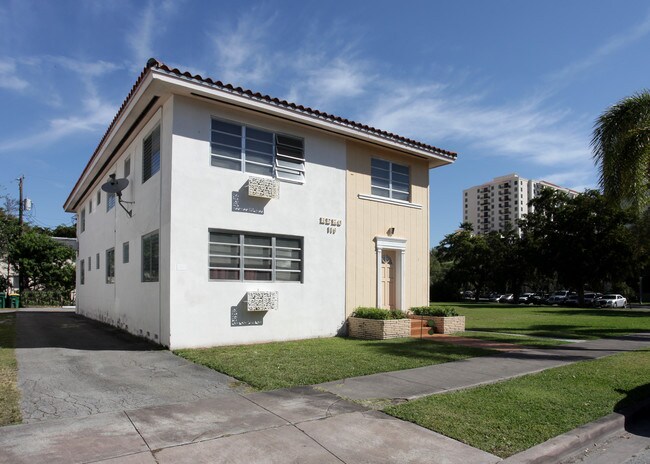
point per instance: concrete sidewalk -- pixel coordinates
(305, 424)
(422, 381)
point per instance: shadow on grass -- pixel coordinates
(636, 409)
(422, 349)
(563, 331)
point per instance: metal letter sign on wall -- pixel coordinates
(263, 188)
(262, 300)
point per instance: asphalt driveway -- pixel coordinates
(70, 366)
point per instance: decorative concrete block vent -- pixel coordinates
(262, 300)
(378, 329)
(261, 187)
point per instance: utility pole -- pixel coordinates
(20, 226)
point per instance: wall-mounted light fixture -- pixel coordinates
(391, 231)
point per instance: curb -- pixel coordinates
(562, 446)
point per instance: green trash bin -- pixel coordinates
(15, 300)
(3, 297)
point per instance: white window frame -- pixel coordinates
(241, 257)
(82, 220)
(391, 191)
(283, 166)
(110, 266)
(148, 266)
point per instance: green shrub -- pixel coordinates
(377, 313)
(439, 312)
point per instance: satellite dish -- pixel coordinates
(115, 186)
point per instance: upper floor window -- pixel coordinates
(82, 220)
(99, 197)
(151, 154)
(247, 149)
(235, 256)
(110, 201)
(125, 252)
(127, 167)
(390, 180)
(90, 206)
(82, 273)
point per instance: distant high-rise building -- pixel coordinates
(495, 204)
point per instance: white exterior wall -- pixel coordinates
(129, 303)
(206, 313)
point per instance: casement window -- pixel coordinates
(150, 250)
(82, 220)
(390, 180)
(127, 167)
(247, 149)
(110, 201)
(97, 260)
(125, 252)
(253, 257)
(110, 266)
(99, 197)
(82, 273)
(151, 154)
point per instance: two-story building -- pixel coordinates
(250, 219)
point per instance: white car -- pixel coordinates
(612, 301)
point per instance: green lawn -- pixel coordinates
(537, 342)
(9, 395)
(554, 322)
(511, 416)
(287, 364)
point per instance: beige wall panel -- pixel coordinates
(367, 219)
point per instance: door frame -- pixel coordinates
(399, 245)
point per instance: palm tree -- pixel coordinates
(621, 145)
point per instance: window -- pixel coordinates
(151, 155)
(246, 149)
(127, 167)
(125, 252)
(110, 266)
(82, 273)
(99, 197)
(90, 266)
(390, 180)
(97, 260)
(150, 257)
(90, 206)
(110, 201)
(236, 256)
(82, 220)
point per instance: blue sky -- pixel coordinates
(512, 86)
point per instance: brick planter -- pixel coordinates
(442, 325)
(376, 329)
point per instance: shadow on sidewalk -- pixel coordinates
(636, 409)
(46, 329)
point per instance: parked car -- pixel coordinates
(538, 298)
(572, 299)
(612, 301)
(507, 298)
(591, 298)
(525, 298)
(558, 297)
(494, 297)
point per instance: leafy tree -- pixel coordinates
(621, 144)
(43, 263)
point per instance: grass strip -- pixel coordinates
(514, 415)
(525, 340)
(306, 362)
(9, 394)
(552, 321)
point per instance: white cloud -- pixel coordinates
(8, 76)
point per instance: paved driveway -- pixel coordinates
(70, 366)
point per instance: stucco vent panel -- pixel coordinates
(262, 300)
(262, 187)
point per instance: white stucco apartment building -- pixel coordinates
(253, 219)
(491, 206)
